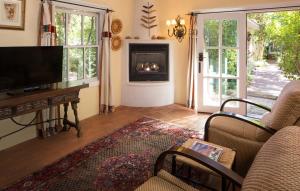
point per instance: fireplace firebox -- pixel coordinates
(148, 62)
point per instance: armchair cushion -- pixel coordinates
(239, 128)
(165, 182)
(276, 166)
(286, 110)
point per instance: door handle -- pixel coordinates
(201, 57)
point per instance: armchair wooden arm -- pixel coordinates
(244, 101)
(238, 117)
(201, 159)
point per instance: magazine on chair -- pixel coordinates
(210, 151)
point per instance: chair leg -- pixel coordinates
(189, 172)
(174, 165)
(223, 184)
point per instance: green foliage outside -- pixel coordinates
(281, 30)
(81, 31)
(229, 53)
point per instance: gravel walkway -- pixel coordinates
(265, 87)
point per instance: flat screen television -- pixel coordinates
(28, 67)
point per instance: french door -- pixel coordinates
(222, 58)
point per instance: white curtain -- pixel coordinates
(47, 37)
(105, 72)
(192, 86)
(48, 29)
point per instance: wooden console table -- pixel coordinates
(66, 93)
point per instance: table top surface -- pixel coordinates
(6, 100)
(226, 159)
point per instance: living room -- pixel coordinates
(127, 111)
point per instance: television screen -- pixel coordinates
(25, 67)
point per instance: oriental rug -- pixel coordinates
(119, 162)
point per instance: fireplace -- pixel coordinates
(147, 73)
(148, 62)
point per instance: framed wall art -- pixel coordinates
(12, 14)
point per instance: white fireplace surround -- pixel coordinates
(147, 93)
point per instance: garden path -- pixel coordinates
(266, 85)
(268, 81)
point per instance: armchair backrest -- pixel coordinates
(286, 109)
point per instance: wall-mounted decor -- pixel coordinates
(148, 19)
(178, 28)
(116, 26)
(116, 43)
(12, 14)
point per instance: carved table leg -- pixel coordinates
(74, 107)
(65, 121)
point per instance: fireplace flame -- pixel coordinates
(147, 67)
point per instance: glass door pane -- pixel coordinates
(221, 47)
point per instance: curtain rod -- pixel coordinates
(240, 10)
(70, 3)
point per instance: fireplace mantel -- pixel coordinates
(147, 93)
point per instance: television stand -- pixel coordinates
(29, 102)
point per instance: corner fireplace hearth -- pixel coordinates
(148, 62)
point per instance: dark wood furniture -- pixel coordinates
(65, 93)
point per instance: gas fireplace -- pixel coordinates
(148, 62)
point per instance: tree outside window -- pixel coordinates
(77, 32)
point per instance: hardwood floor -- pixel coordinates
(23, 159)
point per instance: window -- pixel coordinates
(77, 32)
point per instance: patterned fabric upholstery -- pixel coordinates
(276, 166)
(247, 139)
(165, 182)
(239, 128)
(286, 110)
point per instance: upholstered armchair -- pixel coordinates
(164, 181)
(246, 135)
(276, 167)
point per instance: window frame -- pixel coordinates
(67, 10)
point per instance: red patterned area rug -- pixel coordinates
(119, 162)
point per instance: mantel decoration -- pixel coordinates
(179, 28)
(116, 26)
(148, 19)
(12, 14)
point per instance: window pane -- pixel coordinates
(65, 65)
(230, 33)
(212, 57)
(211, 92)
(75, 64)
(89, 28)
(211, 32)
(229, 62)
(91, 62)
(60, 20)
(74, 30)
(229, 90)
